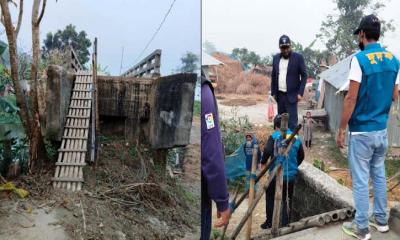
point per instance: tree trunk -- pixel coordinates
(36, 145)
(11, 37)
(30, 120)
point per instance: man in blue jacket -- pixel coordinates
(290, 169)
(288, 80)
(213, 180)
(373, 87)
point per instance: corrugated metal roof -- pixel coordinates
(337, 74)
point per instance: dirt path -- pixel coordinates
(257, 112)
(36, 223)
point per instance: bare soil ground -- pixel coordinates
(239, 102)
(121, 199)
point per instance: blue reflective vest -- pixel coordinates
(290, 167)
(379, 72)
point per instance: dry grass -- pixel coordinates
(242, 83)
(244, 88)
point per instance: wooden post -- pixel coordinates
(251, 189)
(95, 107)
(97, 93)
(264, 185)
(276, 217)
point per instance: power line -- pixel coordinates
(157, 30)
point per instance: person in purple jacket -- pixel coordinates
(213, 179)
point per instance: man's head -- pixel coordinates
(308, 114)
(277, 122)
(368, 31)
(285, 46)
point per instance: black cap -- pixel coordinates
(284, 41)
(369, 23)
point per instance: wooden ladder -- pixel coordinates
(72, 153)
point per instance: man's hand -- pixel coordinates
(340, 138)
(223, 218)
(299, 97)
(262, 166)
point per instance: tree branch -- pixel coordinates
(42, 12)
(21, 10)
(2, 20)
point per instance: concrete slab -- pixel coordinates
(333, 232)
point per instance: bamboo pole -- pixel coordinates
(276, 217)
(317, 221)
(253, 206)
(259, 176)
(308, 222)
(234, 200)
(279, 180)
(252, 190)
(263, 171)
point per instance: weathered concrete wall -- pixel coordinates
(158, 111)
(316, 192)
(172, 110)
(123, 96)
(59, 89)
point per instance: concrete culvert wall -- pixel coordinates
(58, 94)
(316, 192)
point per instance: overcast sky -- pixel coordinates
(123, 23)
(258, 24)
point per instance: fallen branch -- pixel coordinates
(2, 179)
(394, 176)
(394, 186)
(131, 186)
(83, 217)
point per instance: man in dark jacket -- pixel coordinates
(213, 180)
(290, 169)
(289, 77)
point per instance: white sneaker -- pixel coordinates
(379, 226)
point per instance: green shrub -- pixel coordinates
(233, 131)
(196, 108)
(317, 163)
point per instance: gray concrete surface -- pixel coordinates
(334, 232)
(316, 192)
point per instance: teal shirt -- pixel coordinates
(379, 72)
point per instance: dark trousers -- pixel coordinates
(270, 198)
(308, 143)
(206, 212)
(284, 106)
